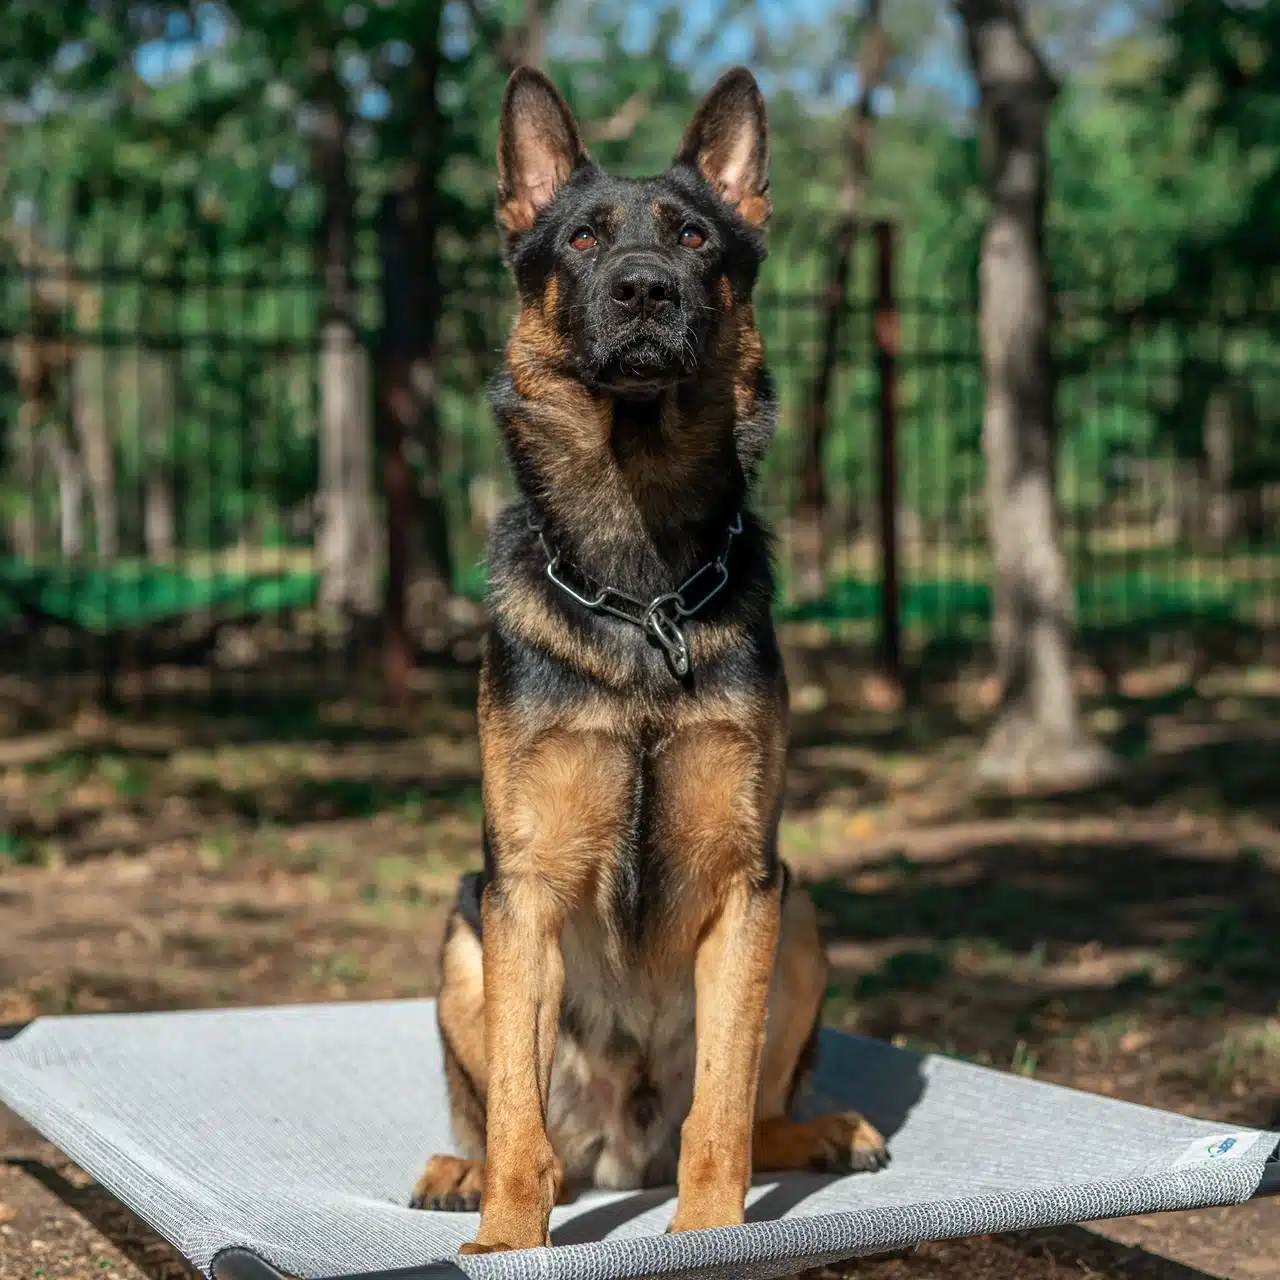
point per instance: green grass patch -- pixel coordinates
(949, 604)
(133, 595)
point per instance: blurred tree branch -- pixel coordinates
(623, 123)
(513, 45)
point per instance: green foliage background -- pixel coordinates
(161, 152)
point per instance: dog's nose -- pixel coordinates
(643, 289)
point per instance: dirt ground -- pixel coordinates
(1122, 941)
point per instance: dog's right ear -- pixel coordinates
(539, 147)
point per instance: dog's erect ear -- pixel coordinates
(728, 142)
(539, 147)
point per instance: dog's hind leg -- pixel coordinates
(449, 1183)
(837, 1143)
(453, 1182)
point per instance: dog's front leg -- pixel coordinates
(733, 972)
(523, 985)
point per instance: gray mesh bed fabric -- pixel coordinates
(296, 1133)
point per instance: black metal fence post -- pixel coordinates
(887, 344)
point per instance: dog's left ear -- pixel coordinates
(728, 143)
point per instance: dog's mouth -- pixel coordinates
(644, 359)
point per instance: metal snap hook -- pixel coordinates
(668, 634)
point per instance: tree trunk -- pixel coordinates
(809, 536)
(420, 568)
(347, 539)
(534, 36)
(1231, 434)
(1038, 736)
(516, 45)
(347, 548)
(89, 413)
(433, 571)
(25, 524)
(159, 523)
(70, 477)
(43, 357)
(156, 401)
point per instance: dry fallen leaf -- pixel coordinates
(861, 826)
(881, 694)
(16, 1007)
(808, 698)
(7, 1214)
(1053, 1017)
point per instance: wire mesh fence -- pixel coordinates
(179, 435)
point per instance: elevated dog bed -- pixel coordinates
(262, 1141)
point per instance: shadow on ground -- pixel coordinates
(1147, 968)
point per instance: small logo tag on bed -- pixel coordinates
(1219, 1146)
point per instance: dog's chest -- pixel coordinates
(622, 1081)
(688, 825)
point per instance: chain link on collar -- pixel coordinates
(660, 617)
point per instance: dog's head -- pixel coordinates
(634, 276)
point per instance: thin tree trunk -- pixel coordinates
(1038, 735)
(158, 517)
(434, 570)
(89, 414)
(420, 568)
(809, 538)
(25, 525)
(31, 366)
(515, 46)
(1231, 435)
(347, 540)
(42, 357)
(810, 533)
(534, 35)
(71, 485)
(156, 398)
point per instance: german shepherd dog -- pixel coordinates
(631, 987)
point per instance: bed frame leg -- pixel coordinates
(241, 1264)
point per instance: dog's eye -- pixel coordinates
(583, 239)
(692, 237)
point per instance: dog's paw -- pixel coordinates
(831, 1144)
(845, 1144)
(449, 1184)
